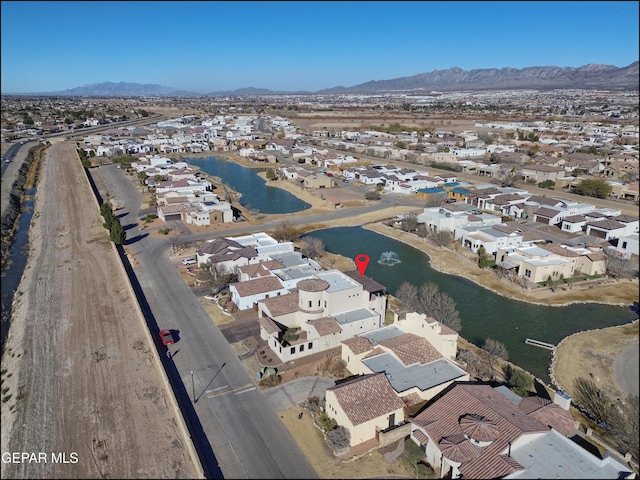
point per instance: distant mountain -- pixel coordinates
(249, 91)
(588, 77)
(120, 89)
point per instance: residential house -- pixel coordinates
(408, 362)
(534, 263)
(226, 254)
(492, 237)
(365, 405)
(452, 216)
(478, 431)
(320, 313)
(607, 229)
(540, 173)
(627, 247)
(247, 294)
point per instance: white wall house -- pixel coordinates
(247, 294)
(410, 361)
(322, 312)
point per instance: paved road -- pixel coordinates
(626, 369)
(241, 434)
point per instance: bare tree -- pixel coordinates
(409, 222)
(473, 363)
(372, 195)
(592, 399)
(442, 238)
(619, 267)
(508, 175)
(431, 301)
(176, 240)
(285, 232)
(422, 231)
(407, 293)
(312, 247)
(589, 240)
(494, 349)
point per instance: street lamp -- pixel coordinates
(193, 387)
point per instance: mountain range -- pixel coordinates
(588, 77)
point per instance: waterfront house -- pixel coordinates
(483, 432)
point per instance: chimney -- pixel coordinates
(563, 399)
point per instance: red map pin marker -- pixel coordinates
(362, 260)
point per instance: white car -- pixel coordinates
(189, 261)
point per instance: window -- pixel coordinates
(293, 350)
(310, 345)
(310, 305)
(527, 273)
(301, 348)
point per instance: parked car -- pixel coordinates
(167, 337)
(189, 261)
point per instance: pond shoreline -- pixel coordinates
(438, 257)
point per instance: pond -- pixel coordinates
(484, 314)
(256, 194)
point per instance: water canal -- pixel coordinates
(484, 314)
(255, 192)
(18, 254)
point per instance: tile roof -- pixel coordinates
(549, 413)
(608, 224)
(269, 325)
(282, 304)
(411, 348)
(325, 325)
(258, 285)
(508, 421)
(261, 269)
(367, 397)
(358, 344)
(367, 283)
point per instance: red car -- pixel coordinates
(167, 337)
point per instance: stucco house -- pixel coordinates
(540, 173)
(408, 362)
(478, 431)
(534, 263)
(365, 405)
(247, 294)
(320, 313)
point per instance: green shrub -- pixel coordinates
(326, 423)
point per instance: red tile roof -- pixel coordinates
(505, 420)
(258, 285)
(411, 348)
(367, 397)
(325, 325)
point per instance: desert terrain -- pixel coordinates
(80, 373)
(64, 378)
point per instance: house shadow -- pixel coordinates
(135, 239)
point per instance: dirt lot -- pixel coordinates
(80, 375)
(592, 355)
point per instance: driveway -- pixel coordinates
(297, 391)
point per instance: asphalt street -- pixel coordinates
(237, 431)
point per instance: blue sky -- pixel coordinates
(213, 46)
